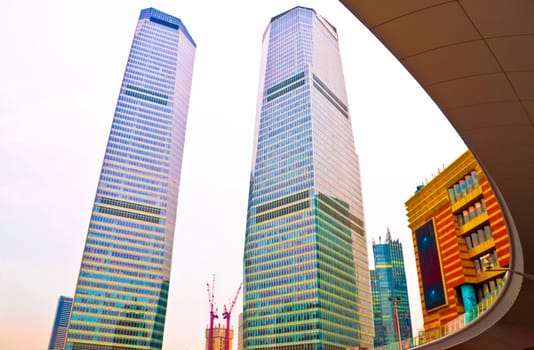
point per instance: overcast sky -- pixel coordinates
(61, 66)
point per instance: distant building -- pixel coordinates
(459, 236)
(388, 282)
(240, 332)
(219, 338)
(61, 323)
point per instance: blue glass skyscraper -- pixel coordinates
(121, 295)
(388, 281)
(61, 322)
(306, 272)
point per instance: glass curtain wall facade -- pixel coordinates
(388, 280)
(306, 271)
(61, 322)
(121, 294)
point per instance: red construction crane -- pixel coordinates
(227, 314)
(213, 312)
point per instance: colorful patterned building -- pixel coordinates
(460, 240)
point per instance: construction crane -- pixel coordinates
(213, 311)
(227, 314)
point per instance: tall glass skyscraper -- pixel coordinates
(121, 294)
(306, 272)
(61, 322)
(390, 290)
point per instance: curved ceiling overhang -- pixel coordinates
(475, 59)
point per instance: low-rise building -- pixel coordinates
(460, 241)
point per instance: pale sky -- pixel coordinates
(61, 66)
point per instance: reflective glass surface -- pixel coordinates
(122, 289)
(305, 259)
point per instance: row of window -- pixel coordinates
(117, 279)
(264, 264)
(134, 74)
(471, 212)
(112, 253)
(131, 184)
(128, 205)
(460, 189)
(121, 119)
(134, 101)
(120, 193)
(157, 38)
(132, 248)
(101, 312)
(281, 280)
(282, 155)
(272, 260)
(279, 109)
(126, 248)
(115, 340)
(144, 140)
(269, 168)
(128, 161)
(124, 144)
(343, 273)
(479, 236)
(146, 97)
(149, 56)
(125, 175)
(275, 192)
(129, 214)
(279, 243)
(123, 190)
(273, 169)
(131, 224)
(116, 287)
(123, 235)
(268, 229)
(125, 169)
(293, 269)
(121, 331)
(254, 301)
(287, 124)
(283, 145)
(283, 211)
(128, 298)
(267, 246)
(282, 141)
(141, 46)
(151, 66)
(304, 322)
(135, 115)
(135, 131)
(126, 311)
(274, 112)
(105, 260)
(279, 174)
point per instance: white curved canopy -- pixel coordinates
(475, 59)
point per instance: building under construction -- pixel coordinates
(219, 337)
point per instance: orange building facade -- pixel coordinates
(460, 242)
(218, 340)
